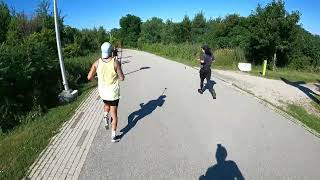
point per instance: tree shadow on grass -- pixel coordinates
(224, 169)
(298, 84)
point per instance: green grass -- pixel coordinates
(20, 148)
(292, 75)
(310, 120)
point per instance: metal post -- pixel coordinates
(67, 95)
(63, 73)
(264, 67)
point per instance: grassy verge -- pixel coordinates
(288, 74)
(20, 148)
(302, 115)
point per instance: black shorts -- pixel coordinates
(112, 103)
(205, 73)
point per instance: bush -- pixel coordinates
(71, 50)
(188, 53)
(78, 67)
(29, 76)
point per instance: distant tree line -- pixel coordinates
(268, 33)
(30, 77)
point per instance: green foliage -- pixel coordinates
(30, 77)
(151, 31)
(198, 27)
(78, 67)
(272, 29)
(130, 30)
(185, 53)
(169, 33)
(4, 21)
(185, 29)
(229, 58)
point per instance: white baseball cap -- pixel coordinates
(106, 50)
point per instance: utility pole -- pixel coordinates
(67, 95)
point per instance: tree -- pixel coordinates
(102, 35)
(130, 29)
(151, 31)
(185, 29)
(4, 21)
(168, 34)
(272, 31)
(44, 17)
(198, 27)
(17, 29)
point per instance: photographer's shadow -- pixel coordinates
(224, 169)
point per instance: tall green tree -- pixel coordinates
(185, 29)
(4, 21)
(130, 29)
(273, 29)
(168, 34)
(151, 31)
(198, 27)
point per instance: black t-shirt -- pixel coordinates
(207, 61)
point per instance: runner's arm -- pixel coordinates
(92, 71)
(119, 70)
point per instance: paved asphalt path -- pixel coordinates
(174, 132)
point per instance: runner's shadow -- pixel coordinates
(142, 68)
(145, 110)
(125, 62)
(223, 170)
(124, 57)
(209, 86)
(311, 94)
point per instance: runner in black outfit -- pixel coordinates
(115, 53)
(206, 60)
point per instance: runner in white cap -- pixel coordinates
(109, 73)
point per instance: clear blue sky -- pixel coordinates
(94, 13)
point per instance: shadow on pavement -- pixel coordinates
(126, 57)
(125, 62)
(209, 86)
(223, 170)
(311, 94)
(145, 110)
(142, 68)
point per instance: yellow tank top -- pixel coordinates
(108, 83)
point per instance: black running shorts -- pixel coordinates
(112, 103)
